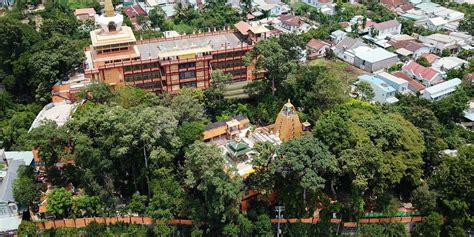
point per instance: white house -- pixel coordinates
(441, 90)
(441, 41)
(345, 49)
(397, 83)
(447, 63)
(372, 60)
(383, 92)
(325, 6)
(294, 24)
(436, 23)
(387, 28)
(337, 36)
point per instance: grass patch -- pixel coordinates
(338, 68)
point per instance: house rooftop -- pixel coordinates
(374, 55)
(316, 44)
(386, 25)
(443, 86)
(412, 82)
(134, 11)
(378, 82)
(438, 21)
(81, 11)
(447, 63)
(385, 76)
(421, 71)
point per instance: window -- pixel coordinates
(186, 75)
(186, 65)
(187, 84)
(112, 26)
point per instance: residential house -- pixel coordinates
(436, 23)
(337, 36)
(440, 42)
(325, 6)
(386, 28)
(441, 90)
(373, 59)
(468, 118)
(412, 48)
(84, 14)
(431, 58)
(427, 76)
(413, 85)
(448, 14)
(463, 37)
(345, 49)
(271, 7)
(383, 92)
(398, 6)
(294, 24)
(317, 48)
(10, 161)
(134, 11)
(444, 64)
(399, 84)
(428, 8)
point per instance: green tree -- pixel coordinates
(25, 191)
(302, 168)
(445, 53)
(27, 228)
(424, 199)
(87, 206)
(188, 105)
(451, 108)
(96, 92)
(60, 203)
(364, 91)
(137, 204)
(214, 194)
(263, 226)
(423, 62)
(431, 226)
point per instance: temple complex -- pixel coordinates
(165, 64)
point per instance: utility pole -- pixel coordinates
(279, 210)
(146, 172)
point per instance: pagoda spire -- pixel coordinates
(109, 8)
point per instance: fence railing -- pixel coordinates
(82, 222)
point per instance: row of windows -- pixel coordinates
(227, 64)
(186, 75)
(229, 55)
(188, 84)
(238, 72)
(143, 76)
(186, 65)
(141, 66)
(151, 85)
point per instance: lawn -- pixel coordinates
(339, 68)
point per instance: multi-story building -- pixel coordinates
(165, 64)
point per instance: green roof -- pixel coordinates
(238, 149)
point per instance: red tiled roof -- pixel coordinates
(316, 44)
(406, 7)
(430, 57)
(420, 71)
(291, 20)
(243, 27)
(392, 3)
(410, 80)
(344, 24)
(370, 23)
(134, 11)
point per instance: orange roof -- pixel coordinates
(430, 57)
(243, 27)
(81, 11)
(316, 44)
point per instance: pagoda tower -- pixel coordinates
(287, 125)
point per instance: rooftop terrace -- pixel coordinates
(189, 44)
